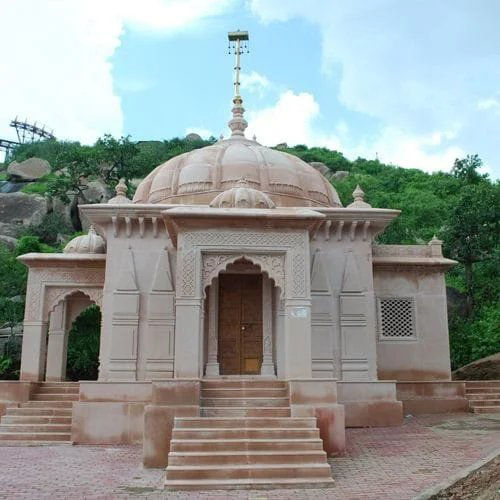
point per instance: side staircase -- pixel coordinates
(246, 438)
(483, 396)
(45, 418)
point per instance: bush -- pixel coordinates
(53, 224)
(83, 346)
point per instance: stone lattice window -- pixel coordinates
(396, 318)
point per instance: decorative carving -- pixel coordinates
(268, 345)
(54, 295)
(273, 242)
(39, 279)
(273, 265)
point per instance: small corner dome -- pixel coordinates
(199, 176)
(90, 243)
(242, 196)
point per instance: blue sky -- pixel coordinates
(415, 83)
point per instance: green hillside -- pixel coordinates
(461, 208)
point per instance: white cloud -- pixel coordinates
(290, 120)
(489, 104)
(57, 67)
(411, 65)
(255, 83)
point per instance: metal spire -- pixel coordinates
(237, 124)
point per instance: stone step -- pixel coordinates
(59, 384)
(246, 457)
(244, 402)
(243, 484)
(73, 389)
(267, 471)
(482, 383)
(217, 445)
(239, 412)
(486, 409)
(481, 390)
(35, 419)
(484, 402)
(484, 395)
(35, 428)
(47, 404)
(245, 393)
(54, 397)
(238, 423)
(248, 433)
(35, 436)
(39, 411)
(249, 384)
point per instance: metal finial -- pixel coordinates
(237, 124)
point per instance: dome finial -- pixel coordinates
(359, 199)
(121, 193)
(237, 124)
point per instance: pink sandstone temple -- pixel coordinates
(247, 319)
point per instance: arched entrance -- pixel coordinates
(240, 330)
(62, 317)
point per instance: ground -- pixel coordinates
(391, 463)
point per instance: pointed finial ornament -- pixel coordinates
(436, 247)
(238, 41)
(359, 199)
(121, 193)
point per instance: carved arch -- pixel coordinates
(271, 264)
(54, 295)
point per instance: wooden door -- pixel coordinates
(240, 324)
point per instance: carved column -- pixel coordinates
(57, 345)
(213, 317)
(267, 367)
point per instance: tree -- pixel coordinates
(466, 169)
(472, 230)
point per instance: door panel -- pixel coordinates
(240, 324)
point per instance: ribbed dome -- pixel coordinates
(87, 243)
(199, 176)
(242, 196)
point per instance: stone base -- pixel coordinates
(370, 404)
(432, 397)
(110, 412)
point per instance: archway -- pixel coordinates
(241, 307)
(73, 338)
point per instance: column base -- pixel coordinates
(212, 369)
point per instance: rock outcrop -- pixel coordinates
(28, 170)
(18, 210)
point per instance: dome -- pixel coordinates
(87, 243)
(242, 196)
(199, 176)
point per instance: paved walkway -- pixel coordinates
(380, 463)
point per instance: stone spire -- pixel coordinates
(121, 193)
(359, 199)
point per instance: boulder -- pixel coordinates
(320, 167)
(340, 175)
(483, 369)
(8, 241)
(97, 192)
(29, 170)
(193, 137)
(18, 210)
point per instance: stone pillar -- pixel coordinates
(188, 330)
(213, 329)
(298, 362)
(267, 367)
(279, 328)
(57, 345)
(34, 350)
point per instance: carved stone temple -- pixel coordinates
(247, 319)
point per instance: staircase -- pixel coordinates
(483, 396)
(45, 418)
(246, 438)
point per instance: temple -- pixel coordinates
(241, 303)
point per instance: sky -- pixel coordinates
(414, 83)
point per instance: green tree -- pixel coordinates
(472, 230)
